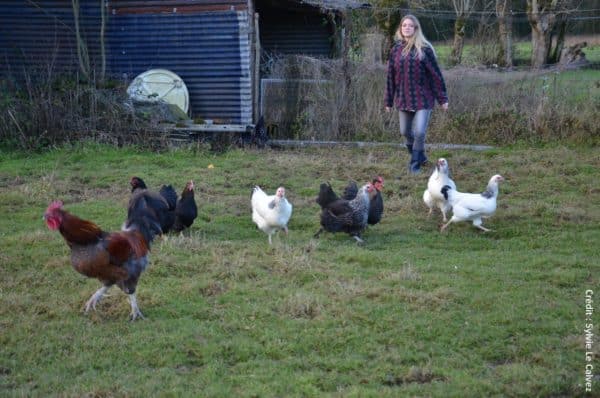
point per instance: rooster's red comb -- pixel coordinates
(57, 204)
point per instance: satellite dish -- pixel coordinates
(157, 85)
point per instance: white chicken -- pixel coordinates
(271, 212)
(472, 206)
(432, 196)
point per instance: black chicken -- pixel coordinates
(376, 204)
(186, 210)
(255, 136)
(341, 215)
(162, 203)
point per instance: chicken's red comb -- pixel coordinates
(57, 204)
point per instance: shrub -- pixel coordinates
(41, 111)
(313, 99)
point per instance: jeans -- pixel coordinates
(413, 126)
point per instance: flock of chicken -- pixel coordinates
(119, 258)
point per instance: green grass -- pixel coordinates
(411, 313)
(521, 55)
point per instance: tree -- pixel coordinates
(463, 9)
(545, 17)
(504, 15)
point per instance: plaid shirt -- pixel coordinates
(413, 83)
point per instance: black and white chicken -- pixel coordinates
(472, 206)
(271, 212)
(432, 196)
(341, 215)
(375, 205)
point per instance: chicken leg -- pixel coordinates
(477, 223)
(135, 311)
(91, 303)
(358, 239)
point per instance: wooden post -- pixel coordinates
(256, 77)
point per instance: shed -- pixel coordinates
(213, 45)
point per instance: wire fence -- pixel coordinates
(438, 24)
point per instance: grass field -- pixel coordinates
(413, 312)
(522, 51)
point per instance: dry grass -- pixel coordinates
(336, 100)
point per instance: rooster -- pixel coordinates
(432, 196)
(186, 210)
(111, 257)
(375, 205)
(472, 206)
(341, 215)
(270, 212)
(163, 203)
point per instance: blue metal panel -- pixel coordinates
(210, 51)
(40, 36)
(295, 33)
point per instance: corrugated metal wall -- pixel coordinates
(296, 33)
(205, 42)
(40, 36)
(210, 51)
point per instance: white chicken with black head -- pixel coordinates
(472, 206)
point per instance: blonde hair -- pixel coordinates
(416, 41)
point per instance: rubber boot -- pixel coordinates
(414, 167)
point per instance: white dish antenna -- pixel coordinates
(155, 85)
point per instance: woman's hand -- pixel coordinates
(445, 106)
(388, 108)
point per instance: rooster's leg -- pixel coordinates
(318, 233)
(91, 303)
(358, 239)
(445, 226)
(477, 223)
(135, 311)
(270, 241)
(444, 218)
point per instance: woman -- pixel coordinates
(414, 83)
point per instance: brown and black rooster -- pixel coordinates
(114, 258)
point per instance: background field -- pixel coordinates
(473, 52)
(412, 312)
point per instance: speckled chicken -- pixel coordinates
(341, 215)
(375, 205)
